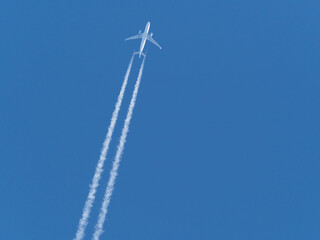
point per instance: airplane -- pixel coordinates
(144, 37)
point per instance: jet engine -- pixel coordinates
(151, 34)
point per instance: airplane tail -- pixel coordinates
(140, 53)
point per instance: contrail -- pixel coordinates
(116, 162)
(99, 168)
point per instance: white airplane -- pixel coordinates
(144, 37)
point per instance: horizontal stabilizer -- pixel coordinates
(138, 53)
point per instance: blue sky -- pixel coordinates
(224, 140)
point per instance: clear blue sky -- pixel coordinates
(224, 141)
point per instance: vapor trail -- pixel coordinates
(99, 168)
(116, 162)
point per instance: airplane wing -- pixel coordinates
(153, 41)
(134, 37)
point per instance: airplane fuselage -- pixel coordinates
(144, 38)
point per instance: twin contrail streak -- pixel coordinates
(116, 162)
(99, 168)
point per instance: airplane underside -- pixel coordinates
(144, 37)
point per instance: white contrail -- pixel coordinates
(116, 162)
(99, 168)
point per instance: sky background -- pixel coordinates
(224, 140)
